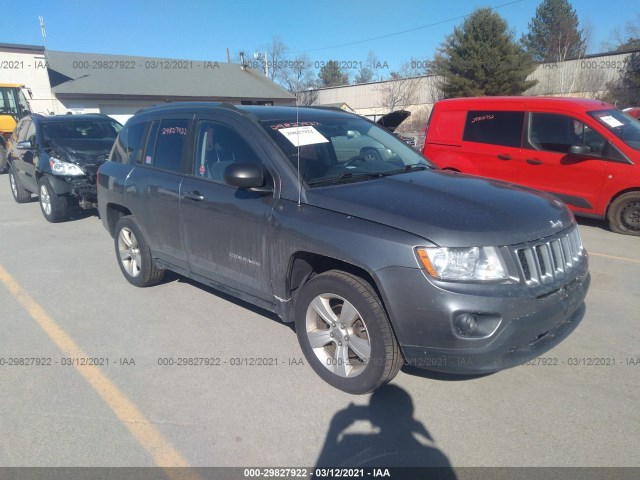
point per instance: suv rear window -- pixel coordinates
(495, 128)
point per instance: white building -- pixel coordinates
(118, 86)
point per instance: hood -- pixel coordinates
(81, 151)
(390, 121)
(448, 208)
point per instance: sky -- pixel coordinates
(326, 30)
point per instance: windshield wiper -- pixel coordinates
(363, 175)
(408, 168)
(347, 176)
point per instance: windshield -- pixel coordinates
(342, 148)
(623, 126)
(80, 130)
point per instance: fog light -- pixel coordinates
(475, 325)
(466, 324)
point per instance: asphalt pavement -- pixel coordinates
(63, 299)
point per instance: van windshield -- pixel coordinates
(342, 149)
(623, 126)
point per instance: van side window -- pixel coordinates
(495, 128)
(172, 134)
(557, 133)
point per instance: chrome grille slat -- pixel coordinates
(550, 259)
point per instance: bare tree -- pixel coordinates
(624, 39)
(299, 77)
(276, 53)
(401, 90)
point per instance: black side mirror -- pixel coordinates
(245, 175)
(580, 150)
(26, 145)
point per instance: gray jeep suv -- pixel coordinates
(379, 261)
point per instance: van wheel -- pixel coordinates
(20, 194)
(345, 334)
(55, 208)
(134, 255)
(624, 214)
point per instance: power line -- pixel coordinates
(405, 31)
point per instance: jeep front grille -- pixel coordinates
(550, 258)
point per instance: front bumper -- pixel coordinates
(532, 320)
(81, 187)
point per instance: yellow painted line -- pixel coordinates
(613, 257)
(162, 452)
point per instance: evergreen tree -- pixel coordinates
(331, 75)
(553, 33)
(481, 58)
(625, 91)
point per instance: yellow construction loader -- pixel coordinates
(13, 106)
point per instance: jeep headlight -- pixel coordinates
(58, 167)
(474, 263)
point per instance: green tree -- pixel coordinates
(331, 75)
(553, 33)
(481, 57)
(625, 91)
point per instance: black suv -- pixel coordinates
(57, 157)
(379, 261)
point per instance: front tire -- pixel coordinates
(624, 214)
(20, 194)
(55, 208)
(134, 255)
(345, 334)
(4, 165)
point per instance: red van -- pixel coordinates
(585, 152)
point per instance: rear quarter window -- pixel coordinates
(127, 147)
(494, 128)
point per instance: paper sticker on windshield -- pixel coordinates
(300, 136)
(611, 121)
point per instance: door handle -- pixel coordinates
(504, 157)
(194, 196)
(534, 161)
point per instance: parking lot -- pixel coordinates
(63, 299)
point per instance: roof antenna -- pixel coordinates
(298, 143)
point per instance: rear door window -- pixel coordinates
(494, 128)
(171, 138)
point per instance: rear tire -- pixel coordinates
(134, 255)
(55, 208)
(345, 334)
(624, 214)
(20, 194)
